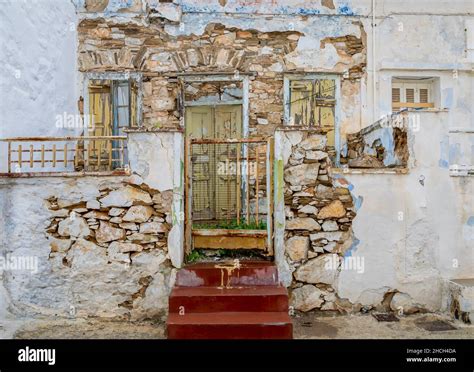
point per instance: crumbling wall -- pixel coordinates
(322, 246)
(160, 53)
(319, 210)
(100, 245)
(377, 146)
(105, 45)
(399, 217)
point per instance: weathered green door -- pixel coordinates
(214, 195)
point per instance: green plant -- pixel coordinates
(194, 256)
(233, 225)
(238, 253)
(198, 255)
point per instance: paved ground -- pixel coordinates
(306, 326)
(326, 326)
(87, 329)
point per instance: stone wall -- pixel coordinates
(320, 244)
(101, 246)
(319, 211)
(110, 45)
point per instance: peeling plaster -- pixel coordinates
(346, 10)
(444, 153)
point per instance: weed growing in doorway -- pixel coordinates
(232, 225)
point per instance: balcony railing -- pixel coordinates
(64, 155)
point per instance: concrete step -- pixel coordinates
(229, 300)
(230, 325)
(223, 274)
(213, 299)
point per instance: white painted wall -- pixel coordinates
(434, 240)
(38, 79)
(412, 235)
(159, 159)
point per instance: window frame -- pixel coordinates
(337, 106)
(116, 77)
(416, 84)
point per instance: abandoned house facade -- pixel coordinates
(335, 138)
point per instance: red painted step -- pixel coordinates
(213, 299)
(220, 301)
(212, 274)
(230, 325)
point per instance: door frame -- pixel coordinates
(213, 78)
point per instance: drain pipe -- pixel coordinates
(374, 73)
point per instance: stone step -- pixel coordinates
(230, 325)
(214, 299)
(222, 274)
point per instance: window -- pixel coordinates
(412, 93)
(112, 106)
(311, 101)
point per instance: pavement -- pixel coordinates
(311, 325)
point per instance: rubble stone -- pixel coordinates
(306, 298)
(302, 223)
(108, 233)
(75, 227)
(319, 270)
(297, 247)
(152, 228)
(125, 197)
(304, 174)
(330, 225)
(333, 210)
(138, 213)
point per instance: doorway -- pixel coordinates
(214, 187)
(228, 182)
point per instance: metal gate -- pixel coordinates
(229, 189)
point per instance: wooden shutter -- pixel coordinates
(395, 95)
(410, 95)
(423, 95)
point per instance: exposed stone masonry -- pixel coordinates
(369, 147)
(105, 46)
(118, 237)
(319, 212)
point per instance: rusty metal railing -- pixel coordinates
(229, 181)
(99, 154)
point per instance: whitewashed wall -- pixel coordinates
(434, 240)
(39, 77)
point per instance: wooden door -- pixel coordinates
(214, 191)
(228, 125)
(200, 124)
